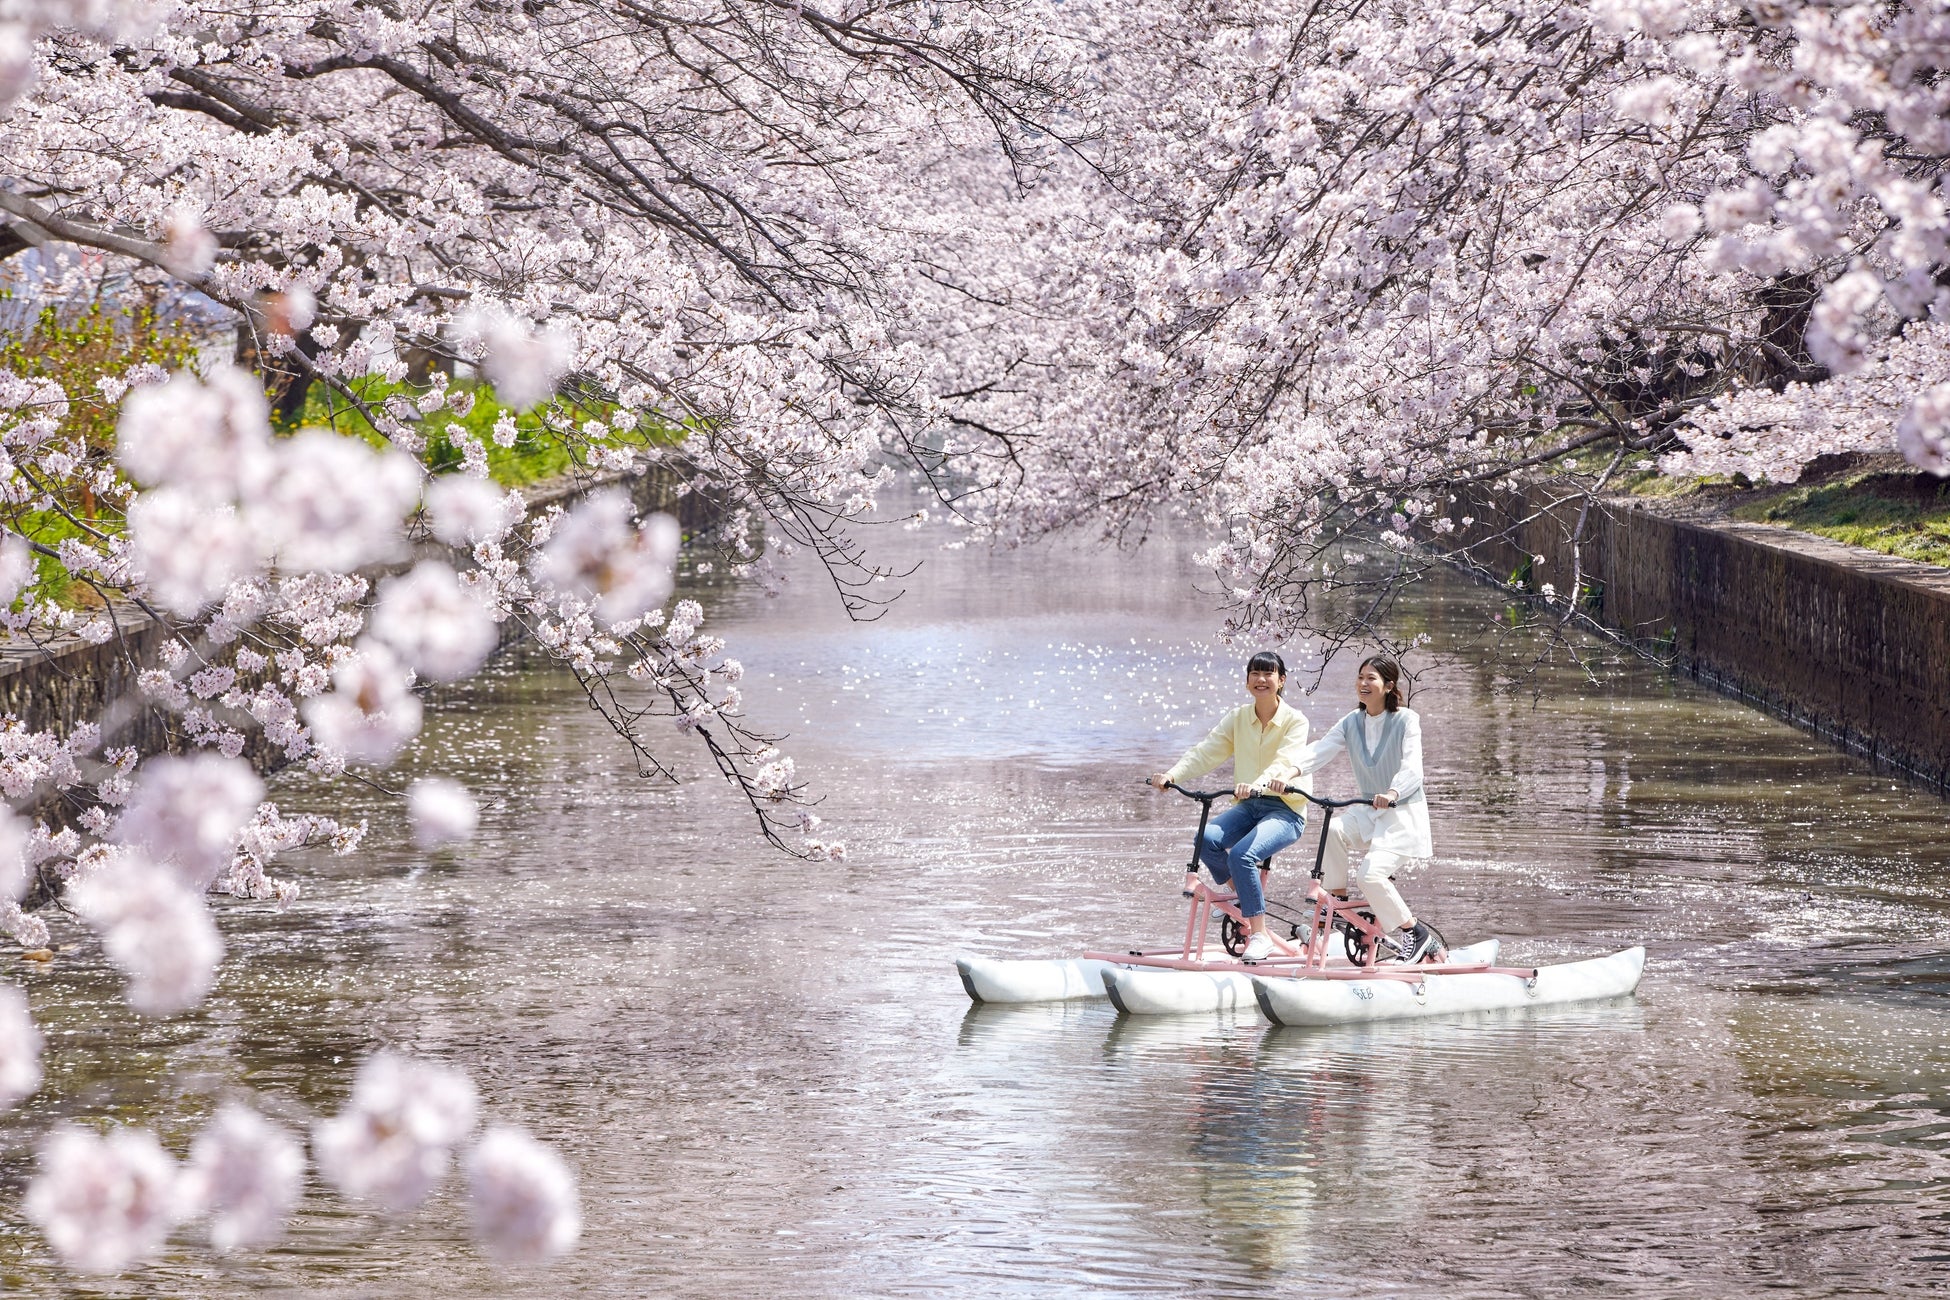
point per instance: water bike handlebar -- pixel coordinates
(1207, 796)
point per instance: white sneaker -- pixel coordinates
(1258, 948)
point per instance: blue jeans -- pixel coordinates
(1242, 837)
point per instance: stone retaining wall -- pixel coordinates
(1840, 641)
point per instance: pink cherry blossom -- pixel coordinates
(14, 839)
(187, 812)
(26, 930)
(247, 1174)
(462, 511)
(597, 554)
(332, 504)
(189, 249)
(154, 930)
(522, 1197)
(438, 628)
(188, 553)
(20, 1048)
(16, 567)
(522, 362)
(394, 1140)
(208, 438)
(442, 812)
(103, 1202)
(371, 713)
(1923, 434)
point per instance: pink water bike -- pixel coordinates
(1327, 937)
(1332, 967)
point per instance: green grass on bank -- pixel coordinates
(537, 454)
(1875, 501)
(1905, 514)
(75, 346)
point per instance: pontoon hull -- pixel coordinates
(988, 980)
(1341, 1002)
(1151, 992)
(992, 980)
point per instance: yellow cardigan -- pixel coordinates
(1259, 754)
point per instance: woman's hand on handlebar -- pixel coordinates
(1276, 787)
(1158, 781)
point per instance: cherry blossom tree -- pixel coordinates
(681, 234)
(1310, 272)
(1366, 264)
(692, 224)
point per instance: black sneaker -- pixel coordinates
(1414, 944)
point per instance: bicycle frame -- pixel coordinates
(1309, 958)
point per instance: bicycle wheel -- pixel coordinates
(1233, 936)
(1354, 941)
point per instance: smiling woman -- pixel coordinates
(1383, 743)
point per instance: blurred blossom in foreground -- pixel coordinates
(1923, 434)
(188, 249)
(187, 812)
(522, 1197)
(20, 1048)
(523, 363)
(392, 1142)
(371, 713)
(247, 1174)
(291, 310)
(13, 860)
(18, 66)
(596, 554)
(186, 553)
(334, 503)
(462, 511)
(441, 630)
(16, 567)
(442, 812)
(209, 439)
(103, 1203)
(154, 930)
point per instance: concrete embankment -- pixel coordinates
(1843, 642)
(60, 683)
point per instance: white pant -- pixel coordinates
(1350, 838)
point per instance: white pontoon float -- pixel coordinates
(1032, 981)
(1133, 989)
(1303, 983)
(1137, 991)
(1439, 993)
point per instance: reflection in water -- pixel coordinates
(770, 1079)
(1255, 1139)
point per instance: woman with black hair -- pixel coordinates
(1383, 743)
(1265, 739)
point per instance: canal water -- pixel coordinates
(771, 1082)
